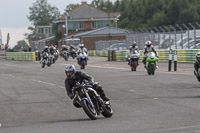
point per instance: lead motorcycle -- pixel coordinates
(45, 60)
(82, 61)
(151, 60)
(134, 60)
(91, 102)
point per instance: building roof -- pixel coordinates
(101, 31)
(86, 11)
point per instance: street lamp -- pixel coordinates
(63, 33)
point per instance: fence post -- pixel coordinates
(170, 60)
(175, 60)
(108, 55)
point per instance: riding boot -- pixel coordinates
(104, 97)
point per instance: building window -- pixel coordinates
(100, 24)
(40, 30)
(81, 25)
(46, 30)
(75, 25)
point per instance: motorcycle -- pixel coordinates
(56, 55)
(45, 60)
(197, 74)
(65, 55)
(52, 59)
(151, 63)
(91, 102)
(134, 60)
(73, 54)
(82, 60)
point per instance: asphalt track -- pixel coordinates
(34, 100)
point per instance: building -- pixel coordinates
(89, 38)
(85, 18)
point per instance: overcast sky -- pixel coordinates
(13, 16)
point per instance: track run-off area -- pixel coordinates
(34, 99)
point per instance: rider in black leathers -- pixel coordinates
(46, 49)
(74, 76)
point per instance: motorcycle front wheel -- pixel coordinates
(90, 111)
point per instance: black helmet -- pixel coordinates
(70, 71)
(198, 57)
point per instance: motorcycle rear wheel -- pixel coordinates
(108, 111)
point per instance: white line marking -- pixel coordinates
(13, 66)
(43, 82)
(61, 87)
(0, 125)
(47, 83)
(131, 90)
(155, 98)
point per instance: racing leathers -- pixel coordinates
(146, 50)
(79, 77)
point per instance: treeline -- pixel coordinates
(150, 13)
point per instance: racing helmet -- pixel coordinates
(70, 71)
(81, 45)
(133, 44)
(148, 43)
(198, 57)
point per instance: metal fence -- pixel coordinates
(111, 45)
(37, 45)
(179, 36)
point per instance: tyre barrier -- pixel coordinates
(186, 55)
(21, 56)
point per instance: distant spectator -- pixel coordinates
(6, 47)
(29, 48)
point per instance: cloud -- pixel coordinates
(16, 34)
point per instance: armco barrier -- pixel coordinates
(182, 55)
(22, 56)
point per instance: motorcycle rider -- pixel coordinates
(74, 76)
(197, 62)
(132, 49)
(45, 50)
(64, 48)
(148, 48)
(81, 49)
(52, 49)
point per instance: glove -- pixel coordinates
(71, 96)
(91, 84)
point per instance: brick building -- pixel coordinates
(90, 38)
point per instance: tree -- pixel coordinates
(70, 7)
(20, 44)
(58, 36)
(42, 13)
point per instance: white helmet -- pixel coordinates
(148, 43)
(70, 71)
(81, 45)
